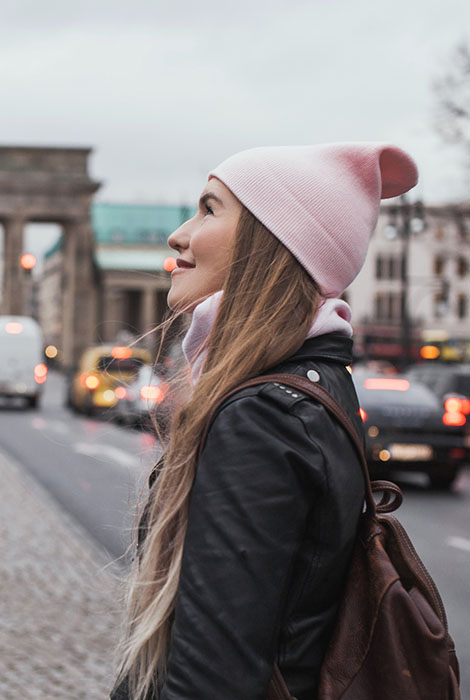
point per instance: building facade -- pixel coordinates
(426, 259)
(131, 284)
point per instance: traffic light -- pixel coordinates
(28, 261)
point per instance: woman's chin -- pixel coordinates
(179, 304)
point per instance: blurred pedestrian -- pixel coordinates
(246, 548)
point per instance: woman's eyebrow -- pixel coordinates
(210, 195)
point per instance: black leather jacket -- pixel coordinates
(273, 518)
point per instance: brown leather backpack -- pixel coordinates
(390, 640)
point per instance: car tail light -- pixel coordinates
(91, 381)
(152, 393)
(386, 384)
(120, 392)
(363, 415)
(455, 403)
(40, 373)
(457, 453)
(454, 418)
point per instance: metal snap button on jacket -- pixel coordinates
(313, 375)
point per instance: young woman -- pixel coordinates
(245, 548)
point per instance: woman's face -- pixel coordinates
(204, 244)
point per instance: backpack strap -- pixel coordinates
(320, 394)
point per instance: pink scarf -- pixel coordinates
(333, 316)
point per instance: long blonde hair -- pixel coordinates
(267, 308)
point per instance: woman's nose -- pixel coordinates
(179, 239)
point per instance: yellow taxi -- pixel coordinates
(101, 369)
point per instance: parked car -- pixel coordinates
(408, 428)
(446, 380)
(101, 369)
(23, 371)
(138, 400)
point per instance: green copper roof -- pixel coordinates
(137, 223)
(132, 225)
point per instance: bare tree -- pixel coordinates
(452, 90)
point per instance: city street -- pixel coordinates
(91, 466)
(95, 469)
(175, 209)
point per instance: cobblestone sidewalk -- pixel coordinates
(59, 609)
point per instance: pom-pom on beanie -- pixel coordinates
(322, 202)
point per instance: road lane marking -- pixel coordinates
(59, 426)
(459, 543)
(38, 423)
(120, 456)
(106, 452)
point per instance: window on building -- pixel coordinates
(379, 306)
(402, 264)
(387, 268)
(379, 267)
(438, 265)
(396, 306)
(462, 266)
(387, 306)
(441, 305)
(396, 265)
(462, 306)
(462, 226)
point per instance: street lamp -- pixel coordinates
(405, 219)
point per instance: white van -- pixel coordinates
(22, 368)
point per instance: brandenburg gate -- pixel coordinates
(51, 185)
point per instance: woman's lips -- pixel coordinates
(181, 266)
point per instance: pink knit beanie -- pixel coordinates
(322, 202)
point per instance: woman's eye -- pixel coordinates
(208, 209)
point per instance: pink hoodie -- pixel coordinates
(333, 316)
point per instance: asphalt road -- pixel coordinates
(95, 469)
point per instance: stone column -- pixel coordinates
(13, 273)
(79, 303)
(111, 313)
(148, 309)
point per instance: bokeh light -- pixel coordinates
(169, 264)
(28, 261)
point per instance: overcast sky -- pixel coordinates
(163, 91)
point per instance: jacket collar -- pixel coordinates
(331, 346)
